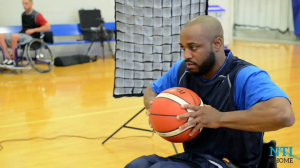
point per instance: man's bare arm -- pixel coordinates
(44, 28)
(270, 115)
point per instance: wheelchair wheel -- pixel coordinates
(39, 56)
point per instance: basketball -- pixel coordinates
(166, 107)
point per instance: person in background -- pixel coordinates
(33, 23)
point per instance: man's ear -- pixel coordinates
(217, 44)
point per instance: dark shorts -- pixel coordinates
(183, 160)
(23, 39)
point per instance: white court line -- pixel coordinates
(75, 116)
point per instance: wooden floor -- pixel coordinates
(78, 101)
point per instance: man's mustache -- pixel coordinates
(190, 61)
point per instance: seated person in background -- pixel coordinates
(241, 102)
(32, 24)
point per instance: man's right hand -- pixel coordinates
(30, 31)
(148, 114)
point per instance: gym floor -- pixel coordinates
(78, 101)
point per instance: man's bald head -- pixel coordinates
(210, 26)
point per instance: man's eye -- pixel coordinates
(183, 48)
(193, 47)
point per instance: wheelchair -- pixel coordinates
(36, 53)
(266, 160)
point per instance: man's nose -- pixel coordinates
(187, 54)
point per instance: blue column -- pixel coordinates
(296, 14)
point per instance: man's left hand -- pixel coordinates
(204, 116)
(29, 31)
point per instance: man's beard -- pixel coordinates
(206, 66)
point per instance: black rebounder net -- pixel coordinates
(147, 40)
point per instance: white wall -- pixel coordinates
(276, 14)
(66, 11)
(226, 19)
(60, 12)
(55, 11)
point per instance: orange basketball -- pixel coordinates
(166, 107)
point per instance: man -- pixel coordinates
(241, 102)
(32, 24)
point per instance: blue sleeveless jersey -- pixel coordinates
(237, 86)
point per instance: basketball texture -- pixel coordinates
(166, 107)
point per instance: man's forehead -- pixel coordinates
(192, 34)
(195, 30)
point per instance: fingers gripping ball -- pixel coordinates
(166, 107)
